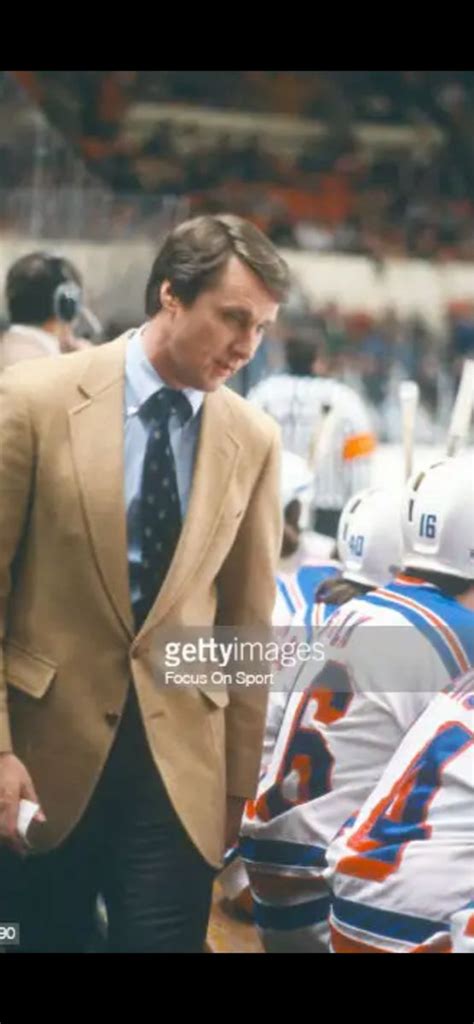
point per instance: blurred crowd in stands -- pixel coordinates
(377, 96)
(77, 173)
(333, 194)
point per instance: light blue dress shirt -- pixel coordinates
(141, 381)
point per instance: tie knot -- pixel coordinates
(162, 403)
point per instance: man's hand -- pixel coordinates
(235, 810)
(15, 785)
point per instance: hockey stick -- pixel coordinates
(462, 410)
(408, 394)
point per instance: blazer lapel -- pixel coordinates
(217, 456)
(97, 431)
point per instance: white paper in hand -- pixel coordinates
(26, 813)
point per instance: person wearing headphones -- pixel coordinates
(43, 296)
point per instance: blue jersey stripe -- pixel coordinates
(285, 595)
(277, 851)
(385, 923)
(291, 916)
(230, 855)
(426, 628)
(306, 579)
(459, 619)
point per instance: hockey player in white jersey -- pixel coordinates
(304, 566)
(284, 860)
(368, 547)
(326, 423)
(306, 555)
(402, 874)
(302, 599)
(388, 652)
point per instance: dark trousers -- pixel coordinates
(130, 847)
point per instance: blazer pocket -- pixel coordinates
(30, 673)
(216, 695)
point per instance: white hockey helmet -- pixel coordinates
(438, 518)
(369, 537)
(296, 481)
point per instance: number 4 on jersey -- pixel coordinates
(400, 816)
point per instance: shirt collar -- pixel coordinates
(48, 340)
(142, 380)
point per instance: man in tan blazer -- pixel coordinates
(139, 784)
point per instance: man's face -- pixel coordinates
(212, 339)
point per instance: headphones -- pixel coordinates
(67, 296)
(42, 285)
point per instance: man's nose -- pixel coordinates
(245, 346)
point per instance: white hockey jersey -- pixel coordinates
(327, 423)
(297, 582)
(403, 873)
(297, 590)
(294, 617)
(387, 653)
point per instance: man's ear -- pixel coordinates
(168, 300)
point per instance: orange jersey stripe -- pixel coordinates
(435, 620)
(342, 944)
(441, 945)
(415, 581)
(358, 445)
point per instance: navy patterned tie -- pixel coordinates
(160, 508)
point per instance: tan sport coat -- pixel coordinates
(68, 643)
